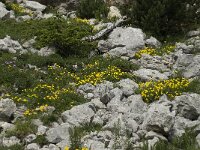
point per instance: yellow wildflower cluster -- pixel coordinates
(152, 51)
(60, 83)
(89, 74)
(83, 148)
(168, 49)
(61, 73)
(19, 9)
(97, 77)
(40, 96)
(82, 20)
(41, 108)
(152, 90)
(146, 50)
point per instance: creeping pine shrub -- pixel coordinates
(92, 9)
(65, 36)
(165, 17)
(152, 90)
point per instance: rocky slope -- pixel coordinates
(118, 108)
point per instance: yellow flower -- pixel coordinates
(66, 148)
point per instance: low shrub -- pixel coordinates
(92, 9)
(63, 34)
(163, 18)
(22, 129)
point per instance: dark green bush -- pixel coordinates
(65, 35)
(22, 129)
(92, 9)
(165, 17)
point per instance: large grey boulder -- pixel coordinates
(149, 74)
(33, 5)
(127, 86)
(193, 69)
(160, 117)
(160, 63)
(32, 146)
(185, 48)
(102, 88)
(7, 109)
(181, 124)
(188, 106)
(10, 141)
(81, 114)
(131, 38)
(189, 64)
(98, 140)
(114, 12)
(193, 33)
(4, 13)
(136, 104)
(59, 133)
(153, 42)
(9, 45)
(195, 41)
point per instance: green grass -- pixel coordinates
(186, 142)
(78, 132)
(22, 129)
(41, 140)
(194, 86)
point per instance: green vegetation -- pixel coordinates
(186, 142)
(163, 18)
(53, 80)
(92, 9)
(22, 129)
(78, 132)
(40, 140)
(63, 34)
(194, 86)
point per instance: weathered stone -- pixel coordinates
(10, 141)
(29, 138)
(136, 104)
(153, 42)
(102, 89)
(188, 106)
(159, 117)
(32, 146)
(128, 86)
(33, 5)
(9, 45)
(114, 12)
(148, 74)
(88, 88)
(7, 109)
(131, 38)
(80, 114)
(59, 133)
(3, 12)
